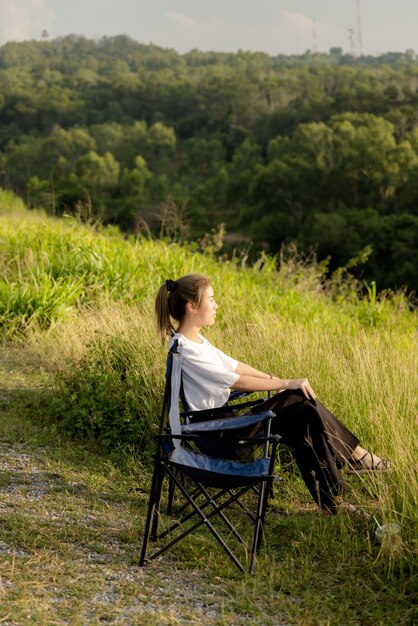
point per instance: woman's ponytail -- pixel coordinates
(162, 312)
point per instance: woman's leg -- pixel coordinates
(320, 442)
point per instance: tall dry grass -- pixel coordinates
(367, 377)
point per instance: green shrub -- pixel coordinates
(111, 392)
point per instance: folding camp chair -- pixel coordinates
(201, 453)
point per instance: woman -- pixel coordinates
(321, 444)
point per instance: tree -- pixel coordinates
(133, 195)
(99, 173)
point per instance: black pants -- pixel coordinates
(321, 444)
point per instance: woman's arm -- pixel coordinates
(246, 370)
(251, 379)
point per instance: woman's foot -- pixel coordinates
(352, 509)
(329, 509)
(339, 505)
(365, 461)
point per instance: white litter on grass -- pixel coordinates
(387, 532)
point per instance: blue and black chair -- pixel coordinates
(212, 458)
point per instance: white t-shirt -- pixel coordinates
(207, 372)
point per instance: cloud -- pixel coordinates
(301, 21)
(209, 22)
(24, 19)
(216, 21)
(180, 19)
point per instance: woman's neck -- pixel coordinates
(190, 331)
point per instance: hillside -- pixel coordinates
(81, 383)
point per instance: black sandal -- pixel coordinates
(356, 466)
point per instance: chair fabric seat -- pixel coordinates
(219, 472)
(189, 458)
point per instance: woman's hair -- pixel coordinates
(172, 297)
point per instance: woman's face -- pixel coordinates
(206, 313)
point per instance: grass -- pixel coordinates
(81, 374)
(368, 377)
(71, 529)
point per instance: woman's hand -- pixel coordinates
(303, 384)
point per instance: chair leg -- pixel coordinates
(191, 513)
(186, 505)
(170, 498)
(265, 490)
(259, 523)
(156, 512)
(153, 499)
(204, 519)
(170, 495)
(212, 501)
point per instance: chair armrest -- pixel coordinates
(227, 423)
(188, 437)
(237, 395)
(197, 437)
(209, 414)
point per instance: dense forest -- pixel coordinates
(320, 150)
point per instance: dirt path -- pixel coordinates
(89, 534)
(70, 532)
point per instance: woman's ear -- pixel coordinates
(191, 307)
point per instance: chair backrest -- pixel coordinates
(164, 418)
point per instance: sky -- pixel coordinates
(272, 26)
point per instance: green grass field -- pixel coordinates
(76, 315)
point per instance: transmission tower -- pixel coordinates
(352, 42)
(355, 35)
(314, 37)
(359, 35)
